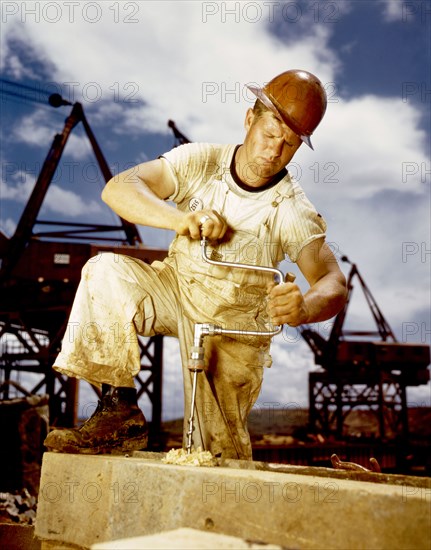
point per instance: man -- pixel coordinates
(243, 200)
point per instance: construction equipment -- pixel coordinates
(180, 138)
(39, 274)
(197, 363)
(363, 369)
(352, 466)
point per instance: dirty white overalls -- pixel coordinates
(120, 297)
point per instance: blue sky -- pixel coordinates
(135, 65)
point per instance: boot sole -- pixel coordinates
(114, 448)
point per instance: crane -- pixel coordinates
(40, 271)
(367, 369)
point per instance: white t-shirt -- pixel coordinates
(265, 225)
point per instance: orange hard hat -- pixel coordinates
(298, 98)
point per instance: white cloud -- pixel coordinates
(57, 200)
(37, 130)
(396, 11)
(68, 203)
(173, 71)
(173, 401)
(419, 396)
(33, 130)
(285, 383)
(17, 69)
(406, 12)
(20, 188)
(193, 78)
(366, 145)
(8, 226)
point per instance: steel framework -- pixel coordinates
(40, 271)
(359, 373)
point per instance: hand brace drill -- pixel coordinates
(196, 362)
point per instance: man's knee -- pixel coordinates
(103, 263)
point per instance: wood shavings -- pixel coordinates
(195, 458)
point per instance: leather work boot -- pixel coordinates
(116, 426)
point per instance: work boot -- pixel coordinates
(116, 426)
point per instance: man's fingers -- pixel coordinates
(211, 224)
(207, 227)
(285, 304)
(222, 225)
(195, 228)
(282, 289)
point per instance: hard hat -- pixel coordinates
(297, 98)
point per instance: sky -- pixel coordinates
(135, 65)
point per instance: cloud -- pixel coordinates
(68, 203)
(173, 401)
(20, 189)
(17, 60)
(33, 130)
(366, 145)
(8, 226)
(403, 11)
(36, 130)
(57, 200)
(204, 88)
(194, 85)
(392, 11)
(285, 383)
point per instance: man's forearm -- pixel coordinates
(135, 200)
(325, 298)
(137, 203)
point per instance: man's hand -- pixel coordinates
(202, 223)
(286, 304)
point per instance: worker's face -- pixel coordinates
(269, 146)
